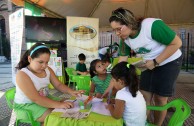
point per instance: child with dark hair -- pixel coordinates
(81, 66)
(32, 80)
(129, 102)
(100, 78)
(106, 61)
(115, 50)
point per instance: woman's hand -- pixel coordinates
(149, 64)
(66, 105)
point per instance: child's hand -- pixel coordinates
(84, 73)
(111, 101)
(77, 93)
(108, 106)
(98, 95)
(66, 105)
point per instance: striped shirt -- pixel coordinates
(101, 85)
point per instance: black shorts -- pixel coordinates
(161, 80)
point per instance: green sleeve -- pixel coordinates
(124, 49)
(116, 48)
(85, 69)
(162, 33)
(77, 67)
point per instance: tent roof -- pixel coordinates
(171, 11)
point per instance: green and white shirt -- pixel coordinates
(152, 39)
(101, 85)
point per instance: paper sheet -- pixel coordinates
(76, 115)
(97, 106)
(76, 108)
(100, 108)
(84, 97)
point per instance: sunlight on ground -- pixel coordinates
(12, 119)
(1, 94)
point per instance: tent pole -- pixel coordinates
(146, 8)
(97, 5)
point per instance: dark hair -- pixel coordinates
(128, 75)
(106, 58)
(81, 56)
(34, 54)
(126, 17)
(93, 67)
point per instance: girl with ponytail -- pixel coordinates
(129, 102)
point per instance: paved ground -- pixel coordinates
(184, 89)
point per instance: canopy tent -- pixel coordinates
(171, 11)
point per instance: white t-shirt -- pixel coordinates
(103, 50)
(145, 42)
(41, 85)
(135, 107)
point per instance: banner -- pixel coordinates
(55, 63)
(82, 37)
(16, 26)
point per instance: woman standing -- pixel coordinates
(159, 47)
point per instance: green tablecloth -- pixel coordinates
(93, 119)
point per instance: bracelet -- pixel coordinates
(155, 63)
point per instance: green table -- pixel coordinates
(93, 119)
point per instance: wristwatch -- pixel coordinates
(156, 64)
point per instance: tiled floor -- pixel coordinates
(184, 91)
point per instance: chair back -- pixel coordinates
(83, 83)
(182, 111)
(22, 115)
(70, 71)
(9, 96)
(115, 61)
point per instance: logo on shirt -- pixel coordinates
(142, 50)
(44, 91)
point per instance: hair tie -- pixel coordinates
(128, 65)
(36, 48)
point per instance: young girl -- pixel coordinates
(32, 82)
(129, 102)
(100, 78)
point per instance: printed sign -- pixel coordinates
(82, 37)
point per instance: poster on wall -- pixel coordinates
(55, 63)
(82, 37)
(16, 26)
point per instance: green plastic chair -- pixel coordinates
(83, 83)
(115, 61)
(22, 115)
(71, 72)
(182, 111)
